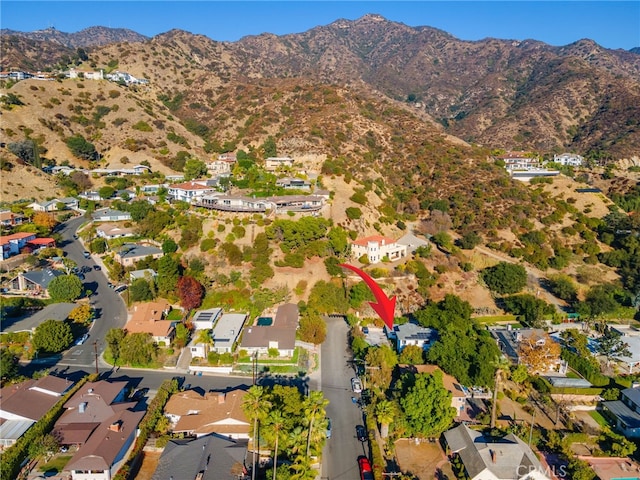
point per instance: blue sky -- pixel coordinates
(612, 24)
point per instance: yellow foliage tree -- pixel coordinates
(43, 219)
(81, 314)
(539, 353)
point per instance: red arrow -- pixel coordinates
(385, 307)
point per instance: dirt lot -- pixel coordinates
(422, 459)
(149, 464)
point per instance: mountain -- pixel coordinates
(89, 37)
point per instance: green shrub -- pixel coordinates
(142, 126)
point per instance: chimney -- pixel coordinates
(221, 398)
(116, 426)
(493, 455)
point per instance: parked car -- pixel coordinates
(139, 394)
(121, 288)
(361, 433)
(356, 385)
(366, 472)
(82, 339)
(97, 267)
(86, 254)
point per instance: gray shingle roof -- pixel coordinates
(42, 277)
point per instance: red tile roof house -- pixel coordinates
(378, 247)
(190, 191)
(214, 412)
(12, 244)
(93, 404)
(148, 318)
(23, 404)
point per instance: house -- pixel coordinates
(219, 167)
(235, 203)
(210, 457)
(273, 163)
(519, 160)
(190, 191)
(228, 157)
(297, 203)
(290, 183)
(226, 332)
(23, 404)
(613, 468)
(130, 253)
(12, 244)
(91, 405)
(412, 242)
(459, 393)
(121, 172)
(513, 341)
(90, 195)
(38, 243)
(508, 458)
(281, 334)
(205, 319)
(64, 169)
(194, 414)
(625, 413)
(149, 318)
(10, 219)
(146, 274)
(110, 215)
(377, 248)
(630, 336)
(412, 334)
(105, 451)
(87, 74)
(110, 232)
(69, 203)
(35, 281)
(569, 159)
(47, 206)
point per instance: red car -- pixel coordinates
(366, 473)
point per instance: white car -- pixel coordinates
(82, 339)
(356, 385)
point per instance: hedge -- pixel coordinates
(13, 456)
(147, 425)
(588, 370)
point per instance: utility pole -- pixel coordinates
(95, 349)
(533, 421)
(255, 366)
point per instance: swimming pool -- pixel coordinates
(264, 321)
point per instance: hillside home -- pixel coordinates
(46, 206)
(10, 219)
(87, 74)
(569, 159)
(218, 167)
(412, 334)
(110, 215)
(194, 414)
(91, 405)
(14, 243)
(519, 160)
(147, 274)
(297, 203)
(291, 183)
(210, 457)
(35, 282)
(110, 232)
(38, 243)
(235, 203)
(613, 468)
(100, 457)
(149, 318)
(281, 334)
(191, 191)
(64, 169)
(130, 253)
(90, 195)
(206, 319)
(121, 172)
(377, 247)
(127, 78)
(23, 404)
(228, 157)
(508, 458)
(625, 413)
(273, 163)
(226, 332)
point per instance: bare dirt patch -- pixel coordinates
(149, 464)
(422, 459)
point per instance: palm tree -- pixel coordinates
(276, 422)
(204, 336)
(385, 413)
(314, 408)
(256, 407)
(501, 364)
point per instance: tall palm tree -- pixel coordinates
(385, 413)
(501, 364)
(204, 336)
(314, 408)
(276, 423)
(256, 407)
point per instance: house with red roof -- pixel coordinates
(377, 248)
(149, 318)
(12, 244)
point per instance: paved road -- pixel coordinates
(110, 309)
(343, 448)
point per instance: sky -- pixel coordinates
(612, 24)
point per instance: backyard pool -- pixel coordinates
(265, 321)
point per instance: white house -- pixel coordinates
(377, 248)
(273, 163)
(569, 159)
(114, 231)
(226, 331)
(412, 334)
(110, 215)
(190, 191)
(206, 319)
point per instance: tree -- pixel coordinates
(169, 246)
(81, 314)
(611, 345)
(8, 365)
(381, 362)
(190, 292)
(563, 287)
(81, 148)
(168, 274)
(599, 300)
(538, 352)
(276, 423)
(501, 364)
(138, 349)
(532, 309)
(44, 220)
(313, 328)
(576, 342)
(45, 446)
(519, 374)
(98, 245)
(385, 412)
(314, 409)
(469, 241)
(114, 339)
(65, 288)
(194, 168)
(359, 293)
(427, 405)
(411, 355)
(52, 336)
(269, 148)
(182, 335)
(140, 291)
(505, 278)
(106, 192)
(256, 407)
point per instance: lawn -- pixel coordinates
(599, 418)
(491, 319)
(175, 315)
(55, 465)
